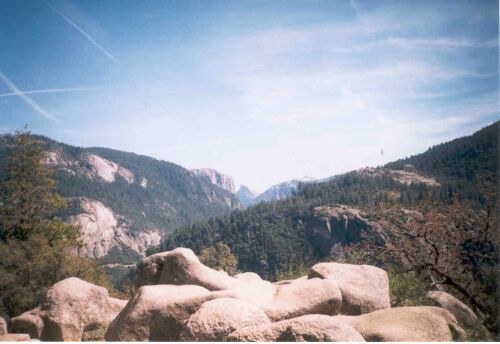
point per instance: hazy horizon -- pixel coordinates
(263, 91)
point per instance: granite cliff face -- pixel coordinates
(102, 230)
(216, 178)
(332, 227)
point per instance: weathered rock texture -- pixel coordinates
(310, 328)
(216, 319)
(29, 322)
(15, 337)
(3, 326)
(364, 288)
(216, 178)
(71, 306)
(181, 266)
(102, 230)
(465, 316)
(179, 298)
(158, 313)
(403, 324)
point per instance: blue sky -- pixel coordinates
(264, 91)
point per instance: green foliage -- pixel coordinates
(120, 255)
(266, 238)
(37, 248)
(293, 272)
(220, 257)
(407, 289)
(28, 203)
(94, 335)
(122, 278)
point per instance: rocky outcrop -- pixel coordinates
(332, 225)
(306, 328)
(216, 319)
(91, 165)
(216, 178)
(299, 297)
(102, 230)
(29, 322)
(181, 299)
(71, 306)
(403, 324)
(465, 316)
(406, 176)
(157, 313)
(108, 170)
(364, 288)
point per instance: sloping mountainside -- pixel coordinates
(323, 217)
(124, 201)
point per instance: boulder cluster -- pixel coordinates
(180, 299)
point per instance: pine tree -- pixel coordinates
(28, 199)
(37, 249)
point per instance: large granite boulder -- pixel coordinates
(364, 288)
(301, 297)
(310, 328)
(279, 301)
(216, 319)
(180, 266)
(465, 316)
(29, 322)
(403, 324)
(158, 313)
(71, 306)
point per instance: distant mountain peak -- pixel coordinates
(246, 195)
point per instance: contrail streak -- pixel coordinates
(87, 36)
(50, 90)
(27, 99)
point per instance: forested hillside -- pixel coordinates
(270, 236)
(124, 201)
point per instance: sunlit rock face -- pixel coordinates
(216, 178)
(102, 230)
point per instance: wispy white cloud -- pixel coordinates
(34, 105)
(418, 43)
(49, 90)
(85, 34)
